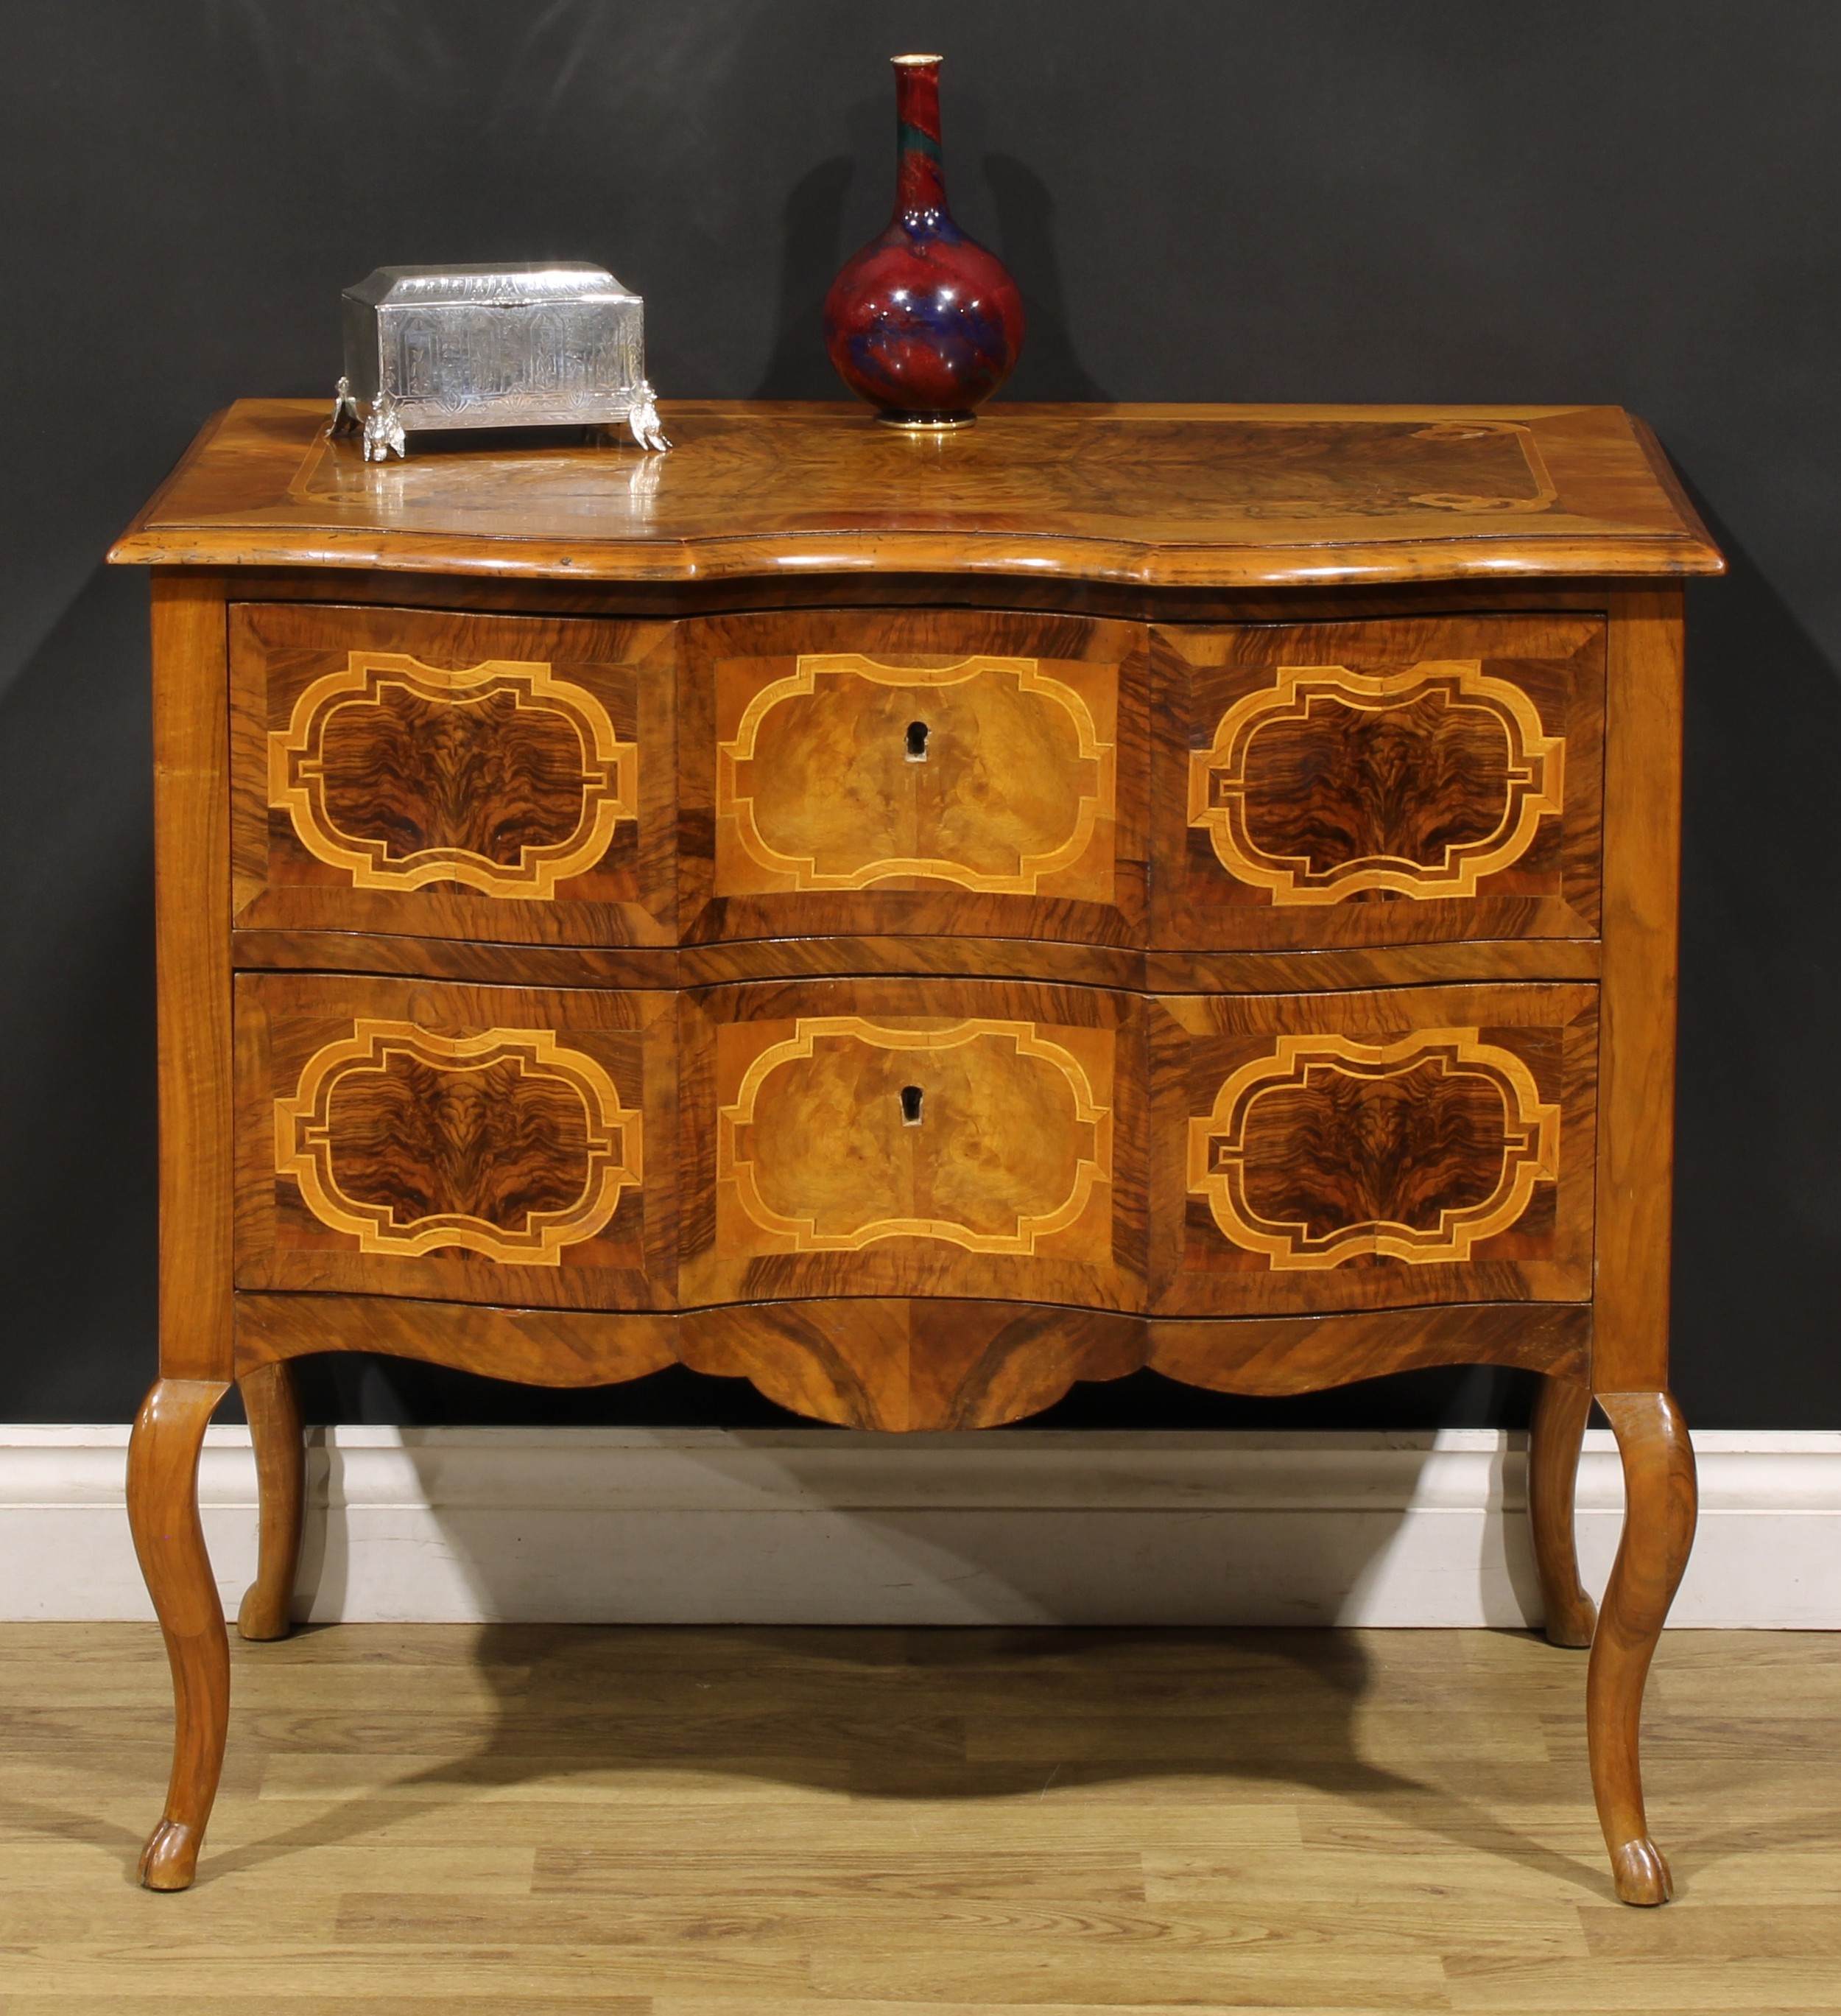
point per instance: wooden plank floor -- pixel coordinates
(836, 1823)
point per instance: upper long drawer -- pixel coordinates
(1377, 782)
(836, 774)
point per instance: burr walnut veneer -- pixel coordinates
(914, 923)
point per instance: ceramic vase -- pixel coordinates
(923, 323)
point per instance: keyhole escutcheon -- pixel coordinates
(917, 741)
(911, 1106)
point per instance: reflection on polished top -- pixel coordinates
(1156, 496)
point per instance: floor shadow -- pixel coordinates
(941, 1714)
(979, 1713)
(68, 1824)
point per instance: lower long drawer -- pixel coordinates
(1217, 1155)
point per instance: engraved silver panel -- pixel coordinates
(560, 345)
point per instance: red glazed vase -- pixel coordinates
(923, 323)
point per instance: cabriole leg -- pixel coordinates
(163, 1510)
(268, 1399)
(1560, 1415)
(1660, 1506)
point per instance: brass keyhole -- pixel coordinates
(917, 741)
(911, 1106)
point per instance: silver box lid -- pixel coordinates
(527, 286)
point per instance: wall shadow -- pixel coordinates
(77, 1203)
(811, 251)
(1759, 1076)
(1048, 368)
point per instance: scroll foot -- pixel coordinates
(347, 420)
(644, 419)
(170, 1859)
(383, 431)
(1640, 1874)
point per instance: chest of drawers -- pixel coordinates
(916, 922)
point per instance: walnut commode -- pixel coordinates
(914, 923)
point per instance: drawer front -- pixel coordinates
(1377, 782)
(506, 1145)
(1348, 1151)
(597, 1149)
(913, 772)
(486, 777)
(912, 1137)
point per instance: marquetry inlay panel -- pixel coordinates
(1329, 1148)
(984, 1133)
(505, 1142)
(986, 772)
(502, 778)
(1387, 780)
(1330, 782)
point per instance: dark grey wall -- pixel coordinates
(1202, 200)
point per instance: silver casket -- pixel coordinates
(429, 348)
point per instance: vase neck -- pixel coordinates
(920, 185)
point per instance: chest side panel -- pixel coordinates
(451, 775)
(1386, 782)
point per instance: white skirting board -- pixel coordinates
(465, 1525)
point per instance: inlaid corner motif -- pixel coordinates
(505, 1143)
(1329, 1148)
(1492, 432)
(1329, 783)
(502, 778)
(988, 773)
(828, 1147)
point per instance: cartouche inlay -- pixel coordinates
(1420, 783)
(502, 778)
(829, 785)
(984, 1133)
(505, 1142)
(1329, 1148)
